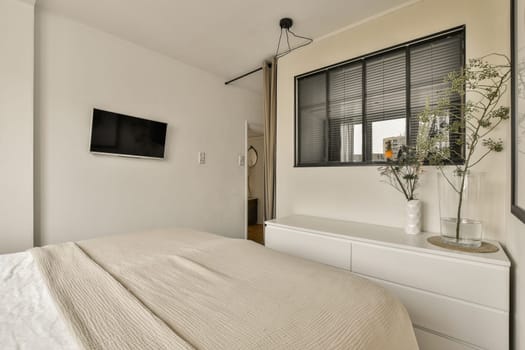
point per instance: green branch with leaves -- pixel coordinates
(404, 172)
(457, 128)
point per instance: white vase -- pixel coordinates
(413, 220)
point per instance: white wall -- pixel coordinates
(16, 125)
(81, 195)
(256, 175)
(356, 193)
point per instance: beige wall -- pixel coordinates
(356, 193)
(16, 125)
(81, 195)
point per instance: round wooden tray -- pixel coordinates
(484, 248)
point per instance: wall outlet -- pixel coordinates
(242, 160)
(202, 158)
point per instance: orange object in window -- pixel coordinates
(388, 152)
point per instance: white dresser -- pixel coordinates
(457, 301)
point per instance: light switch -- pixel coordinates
(241, 160)
(202, 158)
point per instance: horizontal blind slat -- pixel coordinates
(345, 95)
(430, 64)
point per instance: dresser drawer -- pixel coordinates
(429, 341)
(474, 324)
(326, 250)
(471, 281)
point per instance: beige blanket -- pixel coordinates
(182, 289)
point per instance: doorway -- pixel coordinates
(254, 182)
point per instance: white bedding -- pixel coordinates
(28, 317)
(181, 289)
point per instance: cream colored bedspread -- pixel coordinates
(182, 289)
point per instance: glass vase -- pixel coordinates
(459, 208)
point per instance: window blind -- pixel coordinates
(430, 63)
(385, 100)
(312, 119)
(351, 112)
(345, 113)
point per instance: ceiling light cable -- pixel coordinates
(285, 24)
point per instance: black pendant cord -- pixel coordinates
(279, 43)
(285, 24)
(290, 49)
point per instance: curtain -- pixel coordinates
(270, 127)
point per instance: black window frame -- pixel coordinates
(461, 30)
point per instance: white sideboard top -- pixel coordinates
(383, 235)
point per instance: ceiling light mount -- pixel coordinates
(286, 23)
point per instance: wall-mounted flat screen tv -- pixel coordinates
(123, 135)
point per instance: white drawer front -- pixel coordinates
(474, 282)
(326, 250)
(471, 323)
(429, 341)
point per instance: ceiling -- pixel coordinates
(224, 37)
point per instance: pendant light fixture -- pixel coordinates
(290, 37)
(285, 24)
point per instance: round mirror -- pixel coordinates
(252, 157)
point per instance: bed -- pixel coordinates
(184, 289)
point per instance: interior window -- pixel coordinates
(352, 112)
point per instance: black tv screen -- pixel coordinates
(121, 134)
